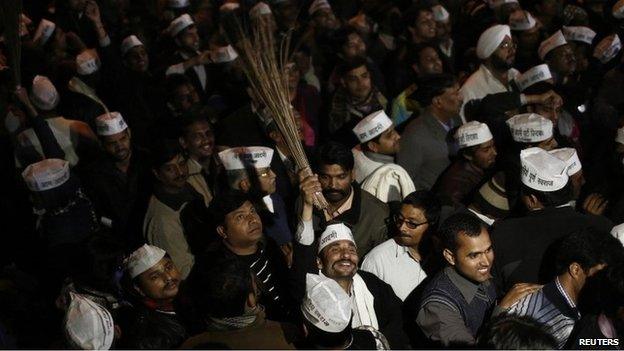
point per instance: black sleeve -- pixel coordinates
(49, 144)
(304, 262)
(388, 310)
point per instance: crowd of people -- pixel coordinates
(471, 154)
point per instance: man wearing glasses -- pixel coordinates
(497, 52)
(398, 261)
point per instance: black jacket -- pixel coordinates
(525, 247)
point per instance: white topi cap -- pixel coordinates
(110, 124)
(229, 6)
(554, 41)
(521, 20)
(372, 126)
(608, 48)
(260, 9)
(43, 93)
(87, 62)
(130, 42)
(318, 5)
(88, 325)
(530, 128)
(542, 171)
(224, 54)
(243, 157)
(326, 305)
(570, 157)
(46, 174)
(178, 24)
(177, 4)
(44, 31)
(333, 233)
(473, 133)
(498, 3)
(619, 137)
(618, 232)
(579, 33)
(439, 13)
(143, 259)
(490, 39)
(618, 9)
(534, 75)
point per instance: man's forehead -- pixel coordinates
(471, 243)
(333, 169)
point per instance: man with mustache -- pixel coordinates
(162, 225)
(197, 140)
(260, 184)
(478, 155)
(240, 236)
(374, 303)
(152, 278)
(347, 202)
(116, 181)
(497, 52)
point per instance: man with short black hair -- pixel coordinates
(355, 99)
(478, 155)
(226, 295)
(347, 202)
(424, 149)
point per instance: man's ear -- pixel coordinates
(575, 270)
(372, 146)
(530, 201)
(319, 264)
(182, 143)
(449, 256)
(251, 300)
(221, 231)
(244, 185)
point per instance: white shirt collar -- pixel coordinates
(269, 203)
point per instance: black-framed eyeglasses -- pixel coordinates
(399, 220)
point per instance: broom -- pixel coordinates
(10, 12)
(265, 71)
(78, 86)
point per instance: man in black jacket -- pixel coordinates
(524, 246)
(374, 302)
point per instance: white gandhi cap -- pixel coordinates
(372, 126)
(473, 133)
(224, 54)
(325, 304)
(43, 93)
(530, 128)
(521, 20)
(542, 171)
(87, 62)
(333, 233)
(534, 75)
(46, 174)
(554, 41)
(44, 31)
(243, 157)
(110, 124)
(178, 24)
(579, 33)
(259, 9)
(143, 259)
(570, 157)
(88, 325)
(130, 42)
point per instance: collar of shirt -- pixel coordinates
(343, 208)
(446, 47)
(283, 157)
(490, 79)
(467, 288)
(194, 167)
(381, 158)
(269, 203)
(446, 126)
(566, 297)
(489, 221)
(403, 250)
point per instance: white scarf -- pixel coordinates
(364, 303)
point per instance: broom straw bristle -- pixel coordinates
(266, 72)
(78, 86)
